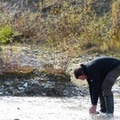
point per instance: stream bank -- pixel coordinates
(39, 97)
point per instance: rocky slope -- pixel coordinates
(22, 76)
(36, 83)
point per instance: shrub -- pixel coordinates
(6, 33)
(115, 32)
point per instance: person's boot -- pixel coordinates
(109, 102)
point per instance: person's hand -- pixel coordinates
(92, 110)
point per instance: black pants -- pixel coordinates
(110, 80)
(106, 96)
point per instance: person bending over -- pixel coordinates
(101, 74)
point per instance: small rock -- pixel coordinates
(1, 93)
(25, 85)
(21, 88)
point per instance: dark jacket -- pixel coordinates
(96, 70)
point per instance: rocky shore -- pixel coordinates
(35, 83)
(38, 86)
(21, 76)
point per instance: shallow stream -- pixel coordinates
(50, 108)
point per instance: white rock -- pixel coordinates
(25, 85)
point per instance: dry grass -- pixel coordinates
(66, 30)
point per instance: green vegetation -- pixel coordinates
(6, 33)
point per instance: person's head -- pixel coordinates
(79, 73)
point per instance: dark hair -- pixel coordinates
(78, 72)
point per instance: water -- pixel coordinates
(46, 108)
